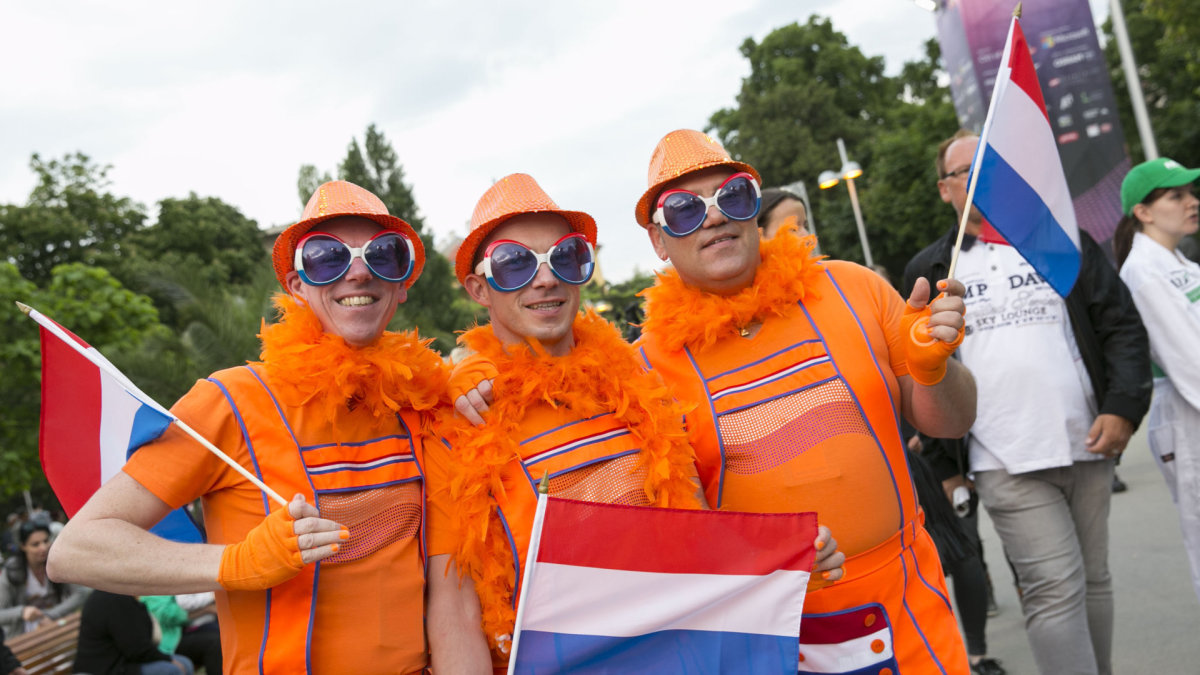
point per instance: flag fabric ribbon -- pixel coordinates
(1021, 188)
(613, 588)
(93, 418)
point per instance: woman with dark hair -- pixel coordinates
(1160, 211)
(780, 206)
(28, 597)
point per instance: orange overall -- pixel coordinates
(361, 611)
(586, 449)
(803, 416)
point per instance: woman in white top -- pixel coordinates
(1160, 210)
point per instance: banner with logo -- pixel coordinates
(1074, 79)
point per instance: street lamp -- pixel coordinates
(850, 171)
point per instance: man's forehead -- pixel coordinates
(962, 150)
(709, 177)
(526, 227)
(345, 225)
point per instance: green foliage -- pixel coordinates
(619, 303)
(68, 218)
(436, 304)
(1163, 35)
(90, 302)
(807, 87)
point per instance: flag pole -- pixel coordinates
(996, 89)
(106, 367)
(535, 543)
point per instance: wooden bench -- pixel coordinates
(48, 649)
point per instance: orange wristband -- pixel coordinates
(926, 355)
(468, 373)
(267, 557)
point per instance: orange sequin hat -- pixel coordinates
(681, 152)
(512, 195)
(334, 199)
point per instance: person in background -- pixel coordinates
(201, 644)
(29, 598)
(1160, 213)
(118, 637)
(780, 206)
(1063, 383)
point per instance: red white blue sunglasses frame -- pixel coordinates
(298, 258)
(485, 266)
(661, 219)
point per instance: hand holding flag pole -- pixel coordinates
(96, 359)
(1017, 180)
(962, 223)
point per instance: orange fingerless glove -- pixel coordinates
(267, 557)
(468, 373)
(926, 355)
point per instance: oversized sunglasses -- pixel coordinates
(682, 212)
(511, 266)
(322, 258)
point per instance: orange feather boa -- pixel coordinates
(680, 315)
(305, 364)
(601, 374)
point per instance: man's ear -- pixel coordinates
(657, 239)
(944, 191)
(477, 287)
(294, 284)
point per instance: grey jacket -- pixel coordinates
(67, 597)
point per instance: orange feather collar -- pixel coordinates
(305, 364)
(680, 315)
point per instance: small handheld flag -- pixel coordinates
(1017, 179)
(94, 418)
(613, 588)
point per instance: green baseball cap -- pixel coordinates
(1149, 176)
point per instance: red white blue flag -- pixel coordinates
(612, 588)
(1021, 189)
(93, 419)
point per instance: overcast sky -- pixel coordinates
(229, 99)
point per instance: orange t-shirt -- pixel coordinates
(369, 598)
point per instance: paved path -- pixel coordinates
(1157, 612)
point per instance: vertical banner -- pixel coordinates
(1074, 80)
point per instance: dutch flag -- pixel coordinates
(612, 588)
(1021, 189)
(93, 419)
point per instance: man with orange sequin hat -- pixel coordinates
(333, 414)
(525, 260)
(795, 369)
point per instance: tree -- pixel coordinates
(808, 87)
(435, 304)
(197, 243)
(89, 301)
(68, 218)
(1163, 35)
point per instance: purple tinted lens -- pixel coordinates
(572, 260)
(387, 256)
(513, 266)
(683, 211)
(325, 259)
(738, 200)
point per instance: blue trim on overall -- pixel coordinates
(512, 546)
(779, 396)
(312, 603)
(306, 448)
(768, 357)
(563, 426)
(913, 618)
(712, 409)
